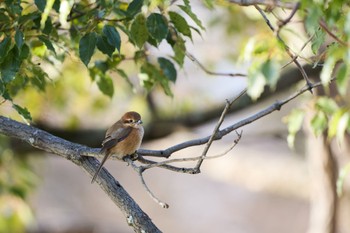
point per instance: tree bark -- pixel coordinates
(323, 197)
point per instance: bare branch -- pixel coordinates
(221, 133)
(286, 47)
(140, 171)
(192, 58)
(331, 34)
(268, 3)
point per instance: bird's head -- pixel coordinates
(131, 119)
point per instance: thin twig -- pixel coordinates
(287, 49)
(269, 3)
(192, 58)
(301, 49)
(196, 142)
(282, 23)
(216, 129)
(159, 164)
(140, 171)
(331, 34)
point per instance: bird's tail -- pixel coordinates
(99, 168)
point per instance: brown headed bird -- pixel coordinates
(122, 139)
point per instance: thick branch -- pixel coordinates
(136, 218)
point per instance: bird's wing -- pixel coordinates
(114, 137)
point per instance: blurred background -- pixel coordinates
(260, 186)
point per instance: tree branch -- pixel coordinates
(268, 3)
(136, 218)
(221, 133)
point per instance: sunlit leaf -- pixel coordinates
(87, 46)
(179, 51)
(317, 40)
(344, 172)
(319, 123)
(327, 105)
(157, 26)
(333, 123)
(168, 68)
(342, 78)
(295, 121)
(326, 73)
(105, 84)
(138, 31)
(270, 70)
(342, 127)
(113, 36)
(180, 24)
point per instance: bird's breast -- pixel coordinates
(130, 144)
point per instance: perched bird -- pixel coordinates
(122, 138)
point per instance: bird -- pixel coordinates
(123, 138)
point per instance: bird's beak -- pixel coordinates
(139, 122)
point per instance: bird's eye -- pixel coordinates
(128, 121)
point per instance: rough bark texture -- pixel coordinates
(135, 217)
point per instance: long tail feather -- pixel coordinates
(99, 168)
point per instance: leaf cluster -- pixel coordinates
(103, 34)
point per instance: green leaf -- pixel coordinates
(48, 27)
(10, 66)
(295, 121)
(87, 46)
(333, 123)
(150, 76)
(47, 43)
(40, 4)
(5, 47)
(317, 40)
(22, 111)
(341, 179)
(326, 73)
(342, 78)
(312, 18)
(113, 36)
(168, 68)
(134, 8)
(29, 17)
(38, 80)
(180, 24)
(319, 123)
(270, 70)
(2, 87)
(256, 81)
(157, 26)
(138, 31)
(342, 126)
(105, 84)
(187, 9)
(104, 46)
(19, 38)
(179, 51)
(327, 105)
